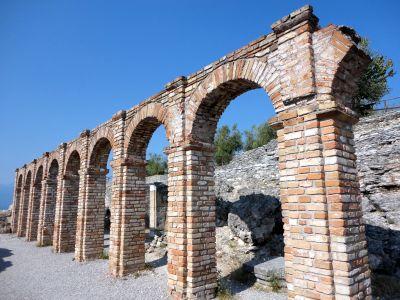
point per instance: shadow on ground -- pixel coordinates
(5, 264)
(159, 262)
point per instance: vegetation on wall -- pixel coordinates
(373, 84)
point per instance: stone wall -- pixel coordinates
(377, 142)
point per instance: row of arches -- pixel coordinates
(323, 232)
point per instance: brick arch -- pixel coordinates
(75, 147)
(221, 86)
(103, 141)
(142, 126)
(339, 64)
(39, 174)
(53, 168)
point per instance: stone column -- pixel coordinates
(16, 203)
(153, 206)
(128, 210)
(325, 255)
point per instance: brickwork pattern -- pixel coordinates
(309, 73)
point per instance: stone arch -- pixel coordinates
(34, 206)
(24, 207)
(219, 88)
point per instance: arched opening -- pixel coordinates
(156, 198)
(107, 211)
(33, 221)
(46, 224)
(149, 231)
(100, 177)
(17, 203)
(234, 197)
(69, 208)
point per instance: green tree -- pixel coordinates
(258, 136)
(156, 165)
(227, 142)
(373, 83)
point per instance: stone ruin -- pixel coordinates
(310, 74)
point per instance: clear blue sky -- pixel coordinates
(70, 65)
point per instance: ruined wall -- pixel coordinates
(377, 142)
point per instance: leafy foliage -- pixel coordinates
(227, 142)
(258, 136)
(156, 165)
(373, 83)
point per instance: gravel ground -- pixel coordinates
(29, 272)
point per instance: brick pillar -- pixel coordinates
(83, 181)
(321, 261)
(47, 212)
(347, 231)
(199, 280)
(59, 194)
(64, 240)
(31, 213)
(176, 223)
(16, 203)
(34, 207)
(90, 230)
(128, 210)
(23, 208)
(152, 190)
